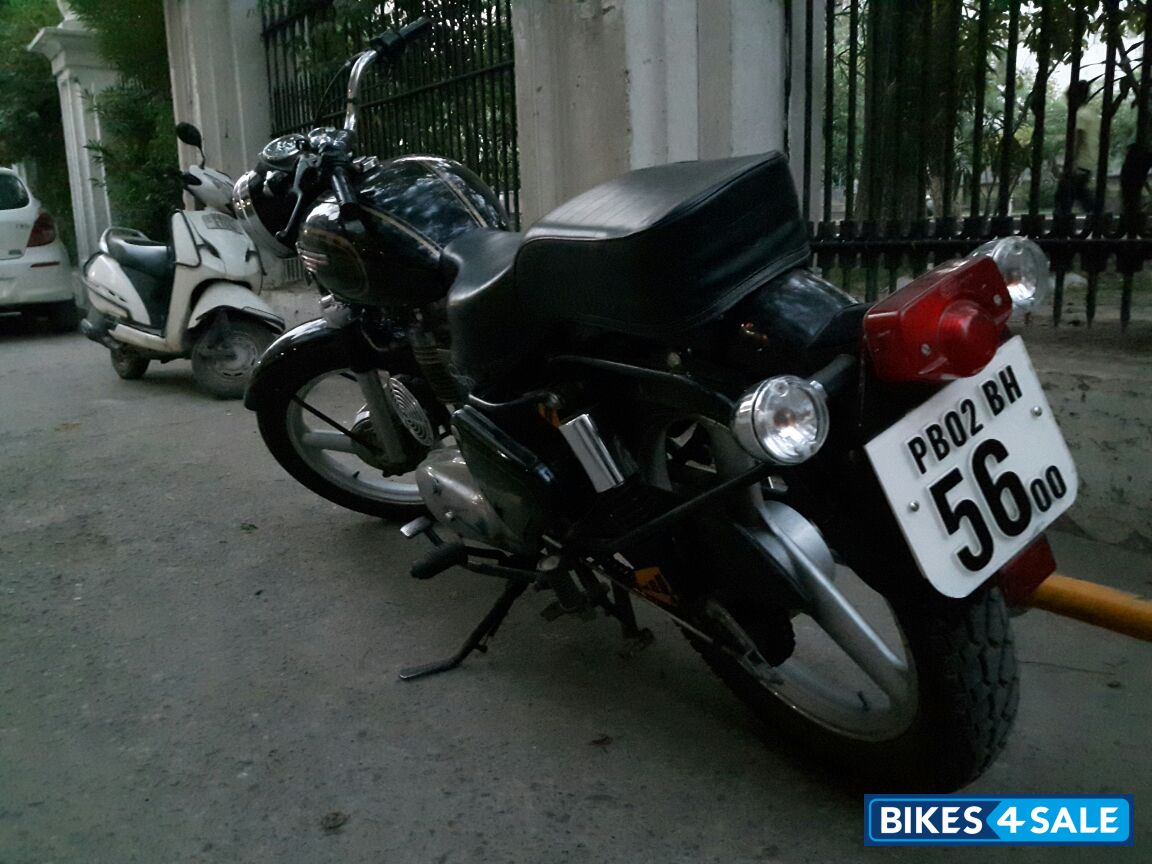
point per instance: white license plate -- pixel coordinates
(976, 472)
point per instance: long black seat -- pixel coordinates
(149, 267)
(139, 253)
(660, 250)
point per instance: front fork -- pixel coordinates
(374, 382)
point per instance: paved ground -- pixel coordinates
(199, 664)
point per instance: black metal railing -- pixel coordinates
(451, 94)
(950, 122)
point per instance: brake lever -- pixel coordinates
(305, 163)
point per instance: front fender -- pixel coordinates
(240, 298)
(315, 345)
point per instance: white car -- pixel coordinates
(35, 272)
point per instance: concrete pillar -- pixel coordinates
(80, 72)
(607, 85)
(219, 79)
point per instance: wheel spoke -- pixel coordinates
(323, 439)
(846, 626)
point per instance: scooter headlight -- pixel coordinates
(783, 420)
(1024, 267)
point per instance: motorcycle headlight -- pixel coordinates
(783, 420)
(1024, 267)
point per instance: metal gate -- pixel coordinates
(452, 94)
(949, 122)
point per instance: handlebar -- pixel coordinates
(389, 44)
(345, 197)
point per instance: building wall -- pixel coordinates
(80, 72)
(219, 79)
(608, 85)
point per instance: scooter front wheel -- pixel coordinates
(320, 433)
(223, 359)
(128, 364)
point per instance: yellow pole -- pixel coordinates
(1095, 604)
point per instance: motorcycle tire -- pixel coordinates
(967, 688)
(359, 490)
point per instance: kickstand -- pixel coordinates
(476, 640)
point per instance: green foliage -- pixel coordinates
(131, 37)
(138, 149)
(920, 66)
(138, 157)
(30, 127)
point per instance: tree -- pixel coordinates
(138, 148)
(30, 127)
(921, 66)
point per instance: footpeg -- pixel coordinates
(417, 526)
(439, 559)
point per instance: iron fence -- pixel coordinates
(451, 94)
(950, 122)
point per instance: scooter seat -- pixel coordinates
(136, 252)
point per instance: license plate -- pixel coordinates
(977, 472)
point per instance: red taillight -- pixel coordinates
(945, 324)
(1021, 576)
(44, 231)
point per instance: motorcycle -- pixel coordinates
(647, 396)
(193, 296)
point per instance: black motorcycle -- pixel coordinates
(647, 395)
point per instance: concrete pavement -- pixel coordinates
(198, 658)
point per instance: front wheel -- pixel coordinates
(223, 358)
(319, 431)
(128, 363)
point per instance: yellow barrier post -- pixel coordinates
(1095, 604)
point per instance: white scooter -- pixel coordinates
(194, 296)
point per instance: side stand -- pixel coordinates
(477, 639)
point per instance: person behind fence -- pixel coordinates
(1073, 187)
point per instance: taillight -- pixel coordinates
(43, 231)
(1021, 576)
(943, 325)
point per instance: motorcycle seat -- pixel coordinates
(135, 251)
(661, 250)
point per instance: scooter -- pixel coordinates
(194, 296)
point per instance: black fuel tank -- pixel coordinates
(411, 208)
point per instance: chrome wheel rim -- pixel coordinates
(852, 671)
(331, 453)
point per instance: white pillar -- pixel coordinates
(80, 73)
(219, 79)
(607, 85)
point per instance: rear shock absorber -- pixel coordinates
(434, 365)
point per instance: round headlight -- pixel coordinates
(783, 420)
(1024, 267)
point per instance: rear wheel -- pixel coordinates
(936, 730)
(899, 690)
(128, 364)
(223, 357)
(317, 428)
